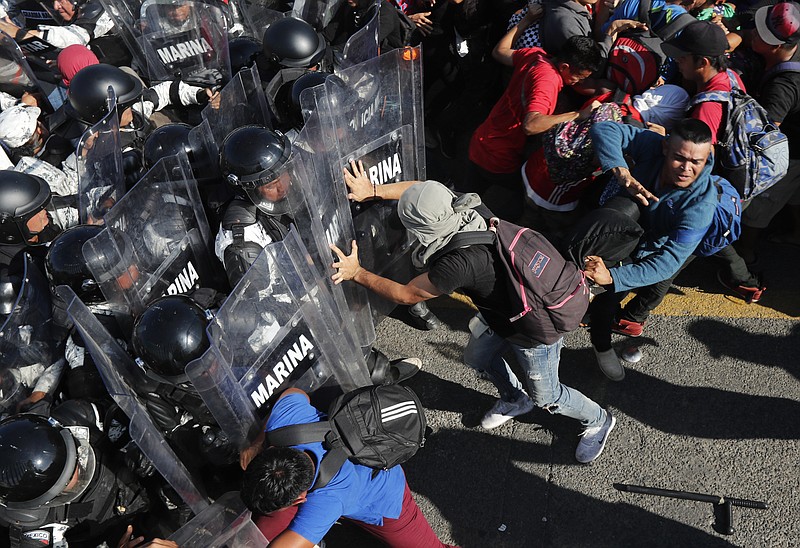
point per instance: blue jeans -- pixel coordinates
(540, 363)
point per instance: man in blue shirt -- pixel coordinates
(278, 480)
(671, 178)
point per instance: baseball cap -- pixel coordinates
(17, 124)
(779, 24)
(699, 38)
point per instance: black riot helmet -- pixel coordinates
(167, 140)
(88, 92)
(243, 52)
(22, 197)
(306, 81)
(65, 264)
(38, 461)
(252, 159)
(168, 335)
(293, 43)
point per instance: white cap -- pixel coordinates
(17, 124)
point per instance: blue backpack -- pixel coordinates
(726, 226)
(751, 153)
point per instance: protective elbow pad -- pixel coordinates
(238, 258)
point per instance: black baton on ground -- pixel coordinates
(723, 506)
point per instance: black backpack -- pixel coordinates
(376, 426)
(549, 295)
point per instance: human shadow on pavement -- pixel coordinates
(479, 483)
(698, 411)
(725, 340)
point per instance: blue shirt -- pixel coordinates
(661, 13)
(352, 493)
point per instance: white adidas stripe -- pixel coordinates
(399, 415)
(395, 406)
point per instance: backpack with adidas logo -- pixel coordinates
(549, 295)
(376, 426)
(751, 153)
(635, 59)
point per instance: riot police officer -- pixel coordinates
(26, 216)
(251, 161)
(57, 476)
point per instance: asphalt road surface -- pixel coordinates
(712, 407)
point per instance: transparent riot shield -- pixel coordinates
(119, 373)
(241, 103)
(277, 329)
(101, 178)
(226, 523)
(322, 216)
(318, 13)
(261, 14)
(157, 241)
(125, 15)
(16, 75)
(186, 39)
(25, 333)
(375, 118)
(363, 44)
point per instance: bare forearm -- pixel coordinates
(393, 191)
(386, 288)
(540, 123)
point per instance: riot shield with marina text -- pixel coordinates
(101, 177)
(157, 241)
(16, 75)
(119, 373)
(277, 329)
(376, 117)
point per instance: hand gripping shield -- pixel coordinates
(227, 522)
(25, 331)
(156, 242)
(241, 103)
(375, 118)
(101, 178)
(119, 373)
(276, 330)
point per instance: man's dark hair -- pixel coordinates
(580, 53)
(692, 130)
(275, 478)
(719, 63)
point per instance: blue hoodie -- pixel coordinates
(675, 224)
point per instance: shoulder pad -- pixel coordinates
(239, 213)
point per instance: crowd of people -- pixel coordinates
(151, 151)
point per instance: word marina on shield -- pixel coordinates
(185, 281)
(281, 370)
(386, 170)
(182, 50)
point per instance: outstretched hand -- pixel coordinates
(361, 188)
(348, 266)
(634, 187)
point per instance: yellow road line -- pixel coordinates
(694, 302)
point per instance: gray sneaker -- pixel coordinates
(503, 411)
(593, 440)
(610, 365)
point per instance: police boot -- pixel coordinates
(423, 318)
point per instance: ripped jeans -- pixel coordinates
(540, 364)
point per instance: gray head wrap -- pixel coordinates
(432, 213)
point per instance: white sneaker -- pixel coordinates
(593, 440)
(503, 411)
(610, 365)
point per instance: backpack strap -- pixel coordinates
(671, 29)
(643, 14)
(786, 66)
(465, 239)
(314, 432)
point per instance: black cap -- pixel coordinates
(700, 38)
